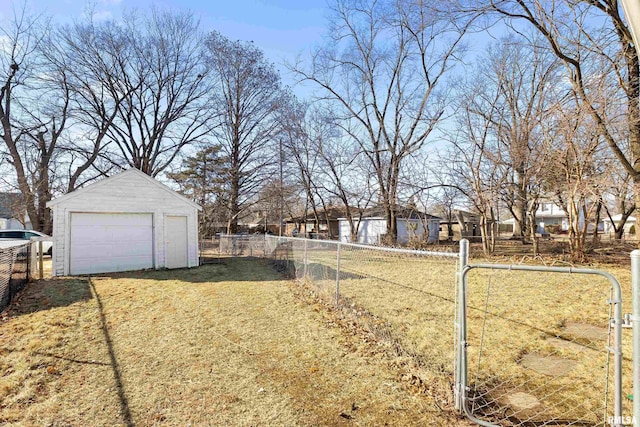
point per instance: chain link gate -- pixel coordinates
(536, 348)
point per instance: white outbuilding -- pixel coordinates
(372, 227)
(125, 222)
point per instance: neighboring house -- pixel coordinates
(372, 227)
(608, 226)
(126, 222)
(463, 224)
(12, 213)
(550, 214)
(257, 221)
(326, 227)
(547, 214)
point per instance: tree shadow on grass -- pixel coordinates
(47, 294)
(237, 269)
(125, 413)
(50, 293)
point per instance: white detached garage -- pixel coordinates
(126, 222)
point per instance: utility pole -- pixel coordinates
(281, 190)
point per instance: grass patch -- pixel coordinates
(224, 344)
(533, 319)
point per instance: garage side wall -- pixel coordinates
(128, 193)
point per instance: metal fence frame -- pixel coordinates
(13, 279)
(268, 241)
(462, 386)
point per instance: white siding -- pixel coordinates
(344, 231)
(127, 192)
(371, 230)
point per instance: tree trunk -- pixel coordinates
(484, 234)
(390, 217)
(636, 192)
(234, 210)
(532, 233)
(520, 211)
(596, 236)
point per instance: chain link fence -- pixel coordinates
(402, 301)
(15, 260)
(517, 345)
(214, 249)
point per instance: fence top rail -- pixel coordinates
(378, 248)
(568, 270)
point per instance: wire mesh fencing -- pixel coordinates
(541, 348)
(213, 249)
(518, 345)
(403, 301)
(14, 271)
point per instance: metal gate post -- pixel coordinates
(635, 289)
(460, 385)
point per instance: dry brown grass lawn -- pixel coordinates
(532, 347)
(226, 344)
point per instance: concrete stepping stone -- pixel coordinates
(586, 331)
(575, 347)
(521, 401)
(547, 365)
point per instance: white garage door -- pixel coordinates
(109, 242)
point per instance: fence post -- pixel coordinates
(338, 275)
(33, 262)
(635, 289)
(40, 260)
(461, 324)
(305, 259)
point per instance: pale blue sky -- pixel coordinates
(281, 28)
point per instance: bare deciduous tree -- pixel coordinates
(478, 174)
(301, 155)
(380, 71)
(246, 100)
(142, 86)
(574, 170)
(33, 112)
(624, 202)
(568, 30)
(524, 77)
